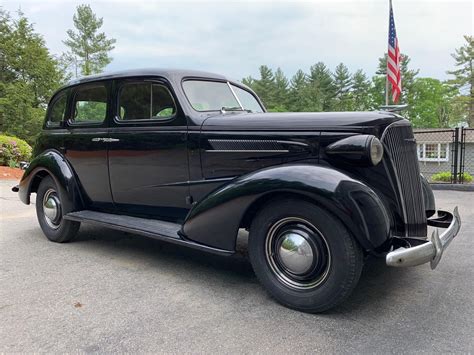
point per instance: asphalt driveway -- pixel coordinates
(110, 291)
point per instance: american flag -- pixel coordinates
(393, 60)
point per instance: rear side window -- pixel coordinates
(57, 110)
(145, 101)
(90, 104)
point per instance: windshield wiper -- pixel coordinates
(224, 109)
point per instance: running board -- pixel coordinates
(152, 228)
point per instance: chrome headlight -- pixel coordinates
(360, 149)
(376, 150)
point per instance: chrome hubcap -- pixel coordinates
(52, 208)
(297, 253)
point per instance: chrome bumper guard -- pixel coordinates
(431, 250)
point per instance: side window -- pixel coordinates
(58, 110)
(144, 101)
(90, 103)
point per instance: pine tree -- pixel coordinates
(321, 87)
(298, 97)
(281, 91)
(249, 81)
(408, 78)
(464, 75)
(88, 47)
(342, 85)
(360, 92)
(265, 87)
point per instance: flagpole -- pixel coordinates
(386, 68)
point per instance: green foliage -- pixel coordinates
(342, 84)
(298, 99)
(446, 176)
(322, 89)
(265, 87)
(408, 78)
(29, 75)
(464, 76)
(91, 111)
(13, 150)
(281, 91)
(89, 49)
(361, 98)
(431, 102)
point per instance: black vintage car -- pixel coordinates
(191, 157)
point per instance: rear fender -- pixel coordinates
(215, 220)
(52, 163)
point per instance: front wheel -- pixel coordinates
(304, 257)
(50, 213)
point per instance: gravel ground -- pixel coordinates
(115, 292)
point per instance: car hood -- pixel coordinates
(300, 121)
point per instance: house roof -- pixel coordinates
(440, 135)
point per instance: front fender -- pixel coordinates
(215, 220)
(52, 163)
(428, 197)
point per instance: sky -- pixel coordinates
(235, 37)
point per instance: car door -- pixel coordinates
(85, 143)
(148, 154)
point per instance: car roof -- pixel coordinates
(174, 75)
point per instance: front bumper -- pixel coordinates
(431, 250)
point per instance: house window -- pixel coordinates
(437, 152)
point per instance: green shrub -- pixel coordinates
(445, 176)
(13, 150)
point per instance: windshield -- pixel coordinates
(216, 96)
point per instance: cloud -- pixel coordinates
(236, 37)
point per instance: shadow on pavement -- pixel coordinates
(377, 283)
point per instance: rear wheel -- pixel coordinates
(50, 214)
(305, 257)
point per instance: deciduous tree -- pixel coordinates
(29, 74)
(433, 104)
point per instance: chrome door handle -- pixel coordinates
(103, 139)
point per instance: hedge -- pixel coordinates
(445, 176)
(13, 150)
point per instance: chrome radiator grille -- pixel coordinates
(400, 144)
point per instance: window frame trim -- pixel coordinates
(224, 81)
(251, 93)
(438, 159)
(119, 86)
(54, 100)
(71, 122)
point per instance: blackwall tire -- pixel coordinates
(49, 213)
(304, 257)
